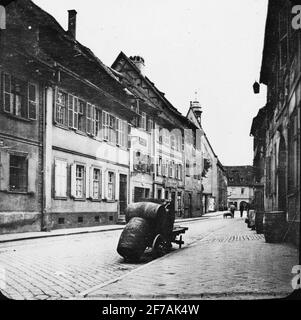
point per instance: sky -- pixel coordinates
(210, 47)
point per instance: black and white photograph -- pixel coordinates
(150, 151)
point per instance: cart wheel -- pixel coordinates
(159, 247)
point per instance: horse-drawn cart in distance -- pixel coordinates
(149, 225)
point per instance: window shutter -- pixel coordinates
(73, 180)
(64, 178)
(56, 190)
(70, 110)
(32, 175)
(114, 187)
(75, 112)
(88, 180)
(4, 170)
(60, 178)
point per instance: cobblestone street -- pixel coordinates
(220, 258)
(231, 263)
(62, 267)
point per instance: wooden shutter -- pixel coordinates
(4, 170)
(70, 110)
(60, 178)
(73, 180)
(32, 175)
(90, 193)
(87, 181)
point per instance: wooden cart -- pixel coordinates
(156, 230)
(160, 246)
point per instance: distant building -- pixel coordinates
(240, 185)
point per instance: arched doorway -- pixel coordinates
(281, 172)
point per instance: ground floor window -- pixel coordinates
(166, 196)
(141, 193)
(18, 172)
(159, 193)
(96, 183)
(80, 181)
(111, 185)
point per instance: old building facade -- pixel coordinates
(214, 180)
(276, 128)
(21, 140)
(164, 145)
(79, 140)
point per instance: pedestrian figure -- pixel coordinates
(232, 210)
(241, 209)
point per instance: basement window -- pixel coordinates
(80, 219)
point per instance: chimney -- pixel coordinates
(139, 62)
(72, 23)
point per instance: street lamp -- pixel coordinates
(256, 87)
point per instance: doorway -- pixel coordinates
(282, 174)
(122, 193)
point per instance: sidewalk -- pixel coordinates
(72, 231)
(231, 263)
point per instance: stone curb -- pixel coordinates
(23, 236)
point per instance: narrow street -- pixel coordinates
(219, 256)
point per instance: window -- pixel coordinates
(166, 137)
(166, 195)
(121, 129)
(90, 118)
(111, 185)
(163, 168)
(143, 121)
(150, 125)
(242, 190)
(97, 123)
(80, 181)
(187, 168)
(7, 99)
(179, 171)
(160, 135)
(19, 97)
(18, 168)
(159, 194)
(173, 142)
(32, 101)
(105, 125)
(61, 108)
(72, 111)
(81, 116)
(19, 94)
(14, 96)
(159, 167)
(96, 183)
(109, 123)
(60, 178)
